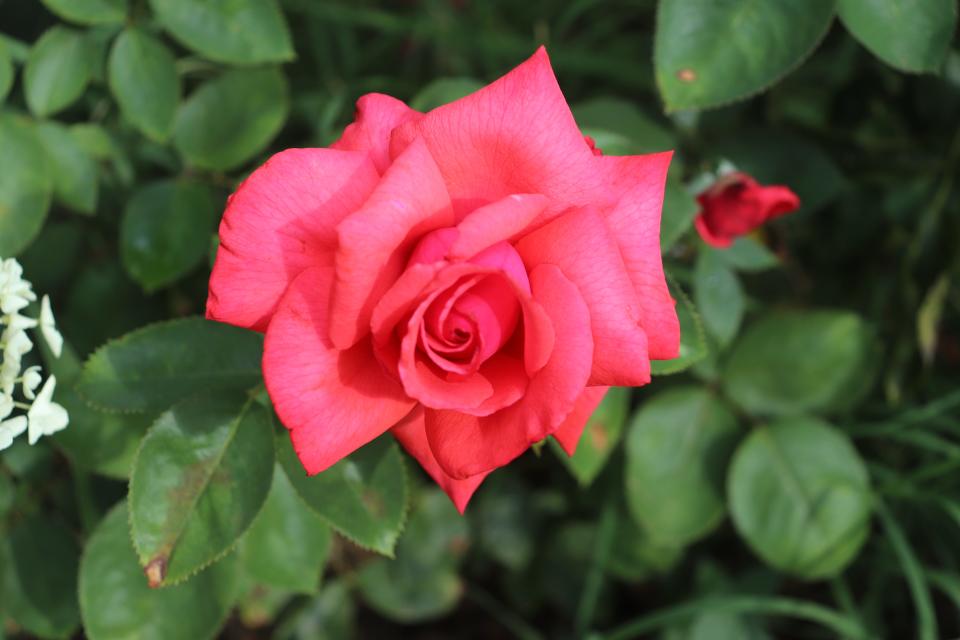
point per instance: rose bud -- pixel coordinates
(736, 205)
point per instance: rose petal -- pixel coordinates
(374, 241)
(500, 221)
(466, 445)
(581, 245)
(333, 401)
(568, 434)
(410, 432)
(281, 220)
(377, 115)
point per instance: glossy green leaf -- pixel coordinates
(155, 366)
(144, 81)
(166, 230)
(41, 589)
(798, 361)
(693, 342)
(230, 31)
(911, 36)
(443, 91)
(25, 185)
(364, 497)
(719, 296)
(679, 210)
(677, 449)
(6, 72)
(73, 170)
(199, 480)
(89, 11)
(230, 119)
(117, 604)
(57, 71)
(422, 582)
(287, 546)
(800, 497)
(709, 53)
(600, 436)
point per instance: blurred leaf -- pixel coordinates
(503, 518)
(746, 254)
(25, 186)
(679, 210)
(52, 258)
(57, 71)
(166, 231)
(625, 119)
(364, 497)
(144, 80)
(600, 436)
(155, 366)
(7, 494)
(718, 295)
(928, 317)
(717, 625)
(230, 31)
(911, 36)
(230, 119)
(677, 450)
(116, 602)
(693, 343)
(287, 545)
(800, 497)
(261, 604)
(41, 589)
(199, 480)
(89, 11)
(443, 91)
(796, 361)
(422, 582)
(6, 72)
(634, 556)
(329, 616)
(74, 172)
(709, 53)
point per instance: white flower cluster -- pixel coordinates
(43, 416)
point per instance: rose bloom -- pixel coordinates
(736, 205)
(471, 279)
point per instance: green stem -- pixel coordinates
(594, 580)
(511, 621)
(89, 514)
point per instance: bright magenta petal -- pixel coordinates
(568, 435)
(411, 434)
(375, 241)
(333, 402)
(500, 221)
(281, 220)
(580, 244)
(635, 223)
(377, 115)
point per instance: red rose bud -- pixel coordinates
(736, 205)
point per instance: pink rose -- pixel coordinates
(472, 279)
(736, 204)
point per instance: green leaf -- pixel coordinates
(677, 449)
(144, 81)
(329, 616)
(746, 254)
(693, 343)
(155, 366)
(230, 119)
(624, 119)
(800, 497)
(709, 53)
(199, 480)
(116, 602)
(74, 171)
(504, 521)
(422, 582)
(797, 361)
(635, 556)
(165, 232)
(41, 582)
(679, 210)
(57, 71)
(718, 295)
(25, 186)
(443, 91)
(287, 546)
(6, 72)
(89, 11)
(364, 497)
(230, 31)
(600, 436)
(911, 36)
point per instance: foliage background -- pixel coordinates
(798, 479)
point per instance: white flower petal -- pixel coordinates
(31, 380)
(17, 322)
(10, 429)
(46, 417)
(6, 405)
(48, 327)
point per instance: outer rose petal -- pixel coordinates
(333, 402)
(516, 135)
(377, 115)
(568, 435)
(500, 221)
(374, 242)
(581, 245)
(281, 220)
(635, 223)
(466, 445)
(412, 435)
